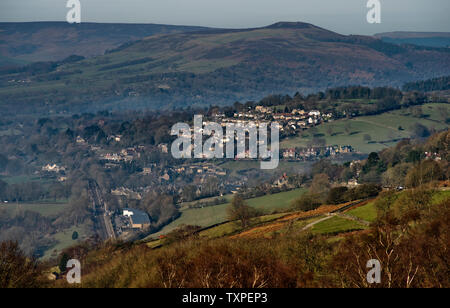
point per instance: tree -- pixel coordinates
(417, 112)
(63, 262)
(239, 210)
(348, 127)
(74, 235)
(373, 159)
(3, 162)
(16, 269)
(420, 131)
(337, 195)
(330, 130)
(414, 156)
(443, 113)
(410, 239)
(189, 193)
(395, 176)
(306, 202)
(363, 192)
(426, 172)
(3, 187)
(320, 185)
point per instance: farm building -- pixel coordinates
(138, 219)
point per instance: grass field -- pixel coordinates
(281, 201)
(20, 179)
(10, 132)
(367, 212)
(186, 205)
(336, 225)
(45, 209)
(65, 240)
(440, 196)
(383, 129)
(212, 215)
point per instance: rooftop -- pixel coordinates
(138, 217)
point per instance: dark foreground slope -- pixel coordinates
(219, 67)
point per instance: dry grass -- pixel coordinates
(266, 230)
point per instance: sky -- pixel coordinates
(343, 16)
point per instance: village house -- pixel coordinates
(262, 109)
(352, 183)
(146, 171)
(53, 168)
(80, 140)
(126, 192)
(164, 148)
(282, 181)
(116, 138)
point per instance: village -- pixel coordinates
(198, 172)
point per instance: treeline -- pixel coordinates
(435, 84)
(29, 229)
(33, 191)
(341, 102)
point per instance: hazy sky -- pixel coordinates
(344, 16)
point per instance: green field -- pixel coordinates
(281, 201)
(336, 225)
(65, 240)
(10, 132)
(187, 205)
(383, 129)
(45, 209)
(21, 179)
(367, 212)
(440, 196)
(212, 215)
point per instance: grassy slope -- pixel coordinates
(65, 240)
(279, 224)
(382, 128)
(212, 215)
(49, 209)
(367, 212)
(336, 225)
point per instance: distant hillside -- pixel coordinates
(430, 39)
(53, 41)
(218, 67)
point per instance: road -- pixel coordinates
(102, 219)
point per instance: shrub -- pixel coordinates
(337, 195)
(426, 172)
(16, 269)
(74, 235)
(239, 210)
(307, 202)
